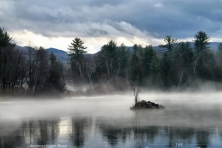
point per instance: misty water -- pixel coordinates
(189, 120)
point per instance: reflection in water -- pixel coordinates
(202, 138)
(31, 132)
(43, 132)
(80, 128)
(48, 132)
(16, 139)
(112, 125)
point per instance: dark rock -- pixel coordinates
(147, 105)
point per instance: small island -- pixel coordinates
(146, 105)
(135, 86)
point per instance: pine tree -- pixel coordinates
(170, 43)
(201, 41)
(55, 74)
(77, 51)
(6, 48)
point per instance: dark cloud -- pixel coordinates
(178, 18)
(97, 32)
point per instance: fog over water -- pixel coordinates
(184, 112)
(189, 107)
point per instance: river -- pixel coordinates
(189, 120)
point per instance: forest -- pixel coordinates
(115, 68)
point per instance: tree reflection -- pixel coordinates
(118, 133)
(202, 138)
(13, 140)
(44, 132)
(41, 132)
(31, 132)
(43, 129)
(79, 131)
(179, 135)
(113, 133)
(48, 132)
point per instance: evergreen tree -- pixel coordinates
(154, 65)
(218, 67)
(201, 41)
(165, 65)
(146, 60)
(5, 39)
(220, 47)
(187, 54)
(170, 43)
(135, 69)
(200, 44)
(55, 74)
(219, 54)
(77, 51)
(123, 61)
(6, 52)
(108, 61)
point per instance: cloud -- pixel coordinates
(158, 5)
(145, 22)
(101, 33)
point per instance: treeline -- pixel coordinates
(115, 67)
(31, 71)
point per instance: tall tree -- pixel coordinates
(146, 59)
(201, 41)
(55, 74)
(6, 48)
(170, 43)
(32, 69)
(107, 60)
(123, 61)
(219, 54)
(165, 64)
(77, 51)
(200, 44)
(43, 69)
(5, 39)
(218, 68)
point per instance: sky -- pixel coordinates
(55, 23)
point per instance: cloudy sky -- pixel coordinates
(54, 23)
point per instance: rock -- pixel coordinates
(147, 105)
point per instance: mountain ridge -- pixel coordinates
(63, 55)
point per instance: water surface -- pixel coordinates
(190, 120)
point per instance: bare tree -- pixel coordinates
(109, 67)
(180, 76)
(135, 86)
(32, 68)
(89, 66)
(80, 67)
(42, 69)
(194, 66)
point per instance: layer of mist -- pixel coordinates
(182, 109)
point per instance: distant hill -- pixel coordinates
(60, 54)
(213, 46)
(63, 55)
(64, 58)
